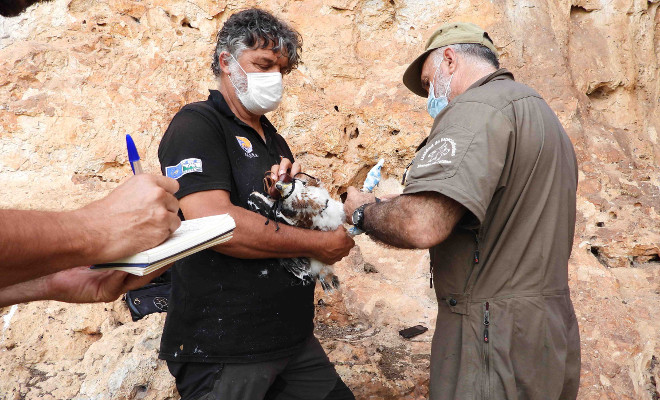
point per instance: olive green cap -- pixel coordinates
(451, 33)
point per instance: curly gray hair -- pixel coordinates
(255, 28)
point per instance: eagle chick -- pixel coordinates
(304, 204)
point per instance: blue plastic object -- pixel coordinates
(133, 155)
(370, 182)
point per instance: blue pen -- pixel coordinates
(133, 156)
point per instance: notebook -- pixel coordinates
(192, 236)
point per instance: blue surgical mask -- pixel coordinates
(436, 104)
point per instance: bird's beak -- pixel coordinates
(282, 186)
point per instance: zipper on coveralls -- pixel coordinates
(486, 322)
(486, 383)
(476, 250)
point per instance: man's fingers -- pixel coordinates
(275, 172)
(171, 203)
(175, 223)
(169, 184)
(295, 168)
(115, 279)
(110, 286)
(285, 166)
(134, 281)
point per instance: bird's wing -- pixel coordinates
(260, 203)
(299, 267)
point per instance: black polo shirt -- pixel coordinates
(226, 309)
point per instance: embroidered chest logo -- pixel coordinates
(184, 167)
(440, 152)
(246, 145)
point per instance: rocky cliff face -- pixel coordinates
(76, 75)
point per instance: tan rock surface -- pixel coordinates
(76, 75)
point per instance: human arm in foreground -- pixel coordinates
(138, 215)
(409, 221)
(75, 285)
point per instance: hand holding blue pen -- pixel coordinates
(133, 156)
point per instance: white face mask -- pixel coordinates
(261, 93)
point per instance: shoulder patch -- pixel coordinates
(441, 151)
(184, 167)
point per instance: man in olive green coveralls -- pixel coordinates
(491, 193)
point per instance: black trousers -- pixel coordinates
(307, 375)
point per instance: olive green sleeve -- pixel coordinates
(464, 157)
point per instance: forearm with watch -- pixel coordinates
(383, 222)
(417, 221)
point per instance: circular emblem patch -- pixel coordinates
(161, 303)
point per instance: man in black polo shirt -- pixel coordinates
(240, 326)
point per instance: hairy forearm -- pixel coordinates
(36, 243)
(137, 215)
(413, 221)
(389, 223)
(254, 239)
(36, 289)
